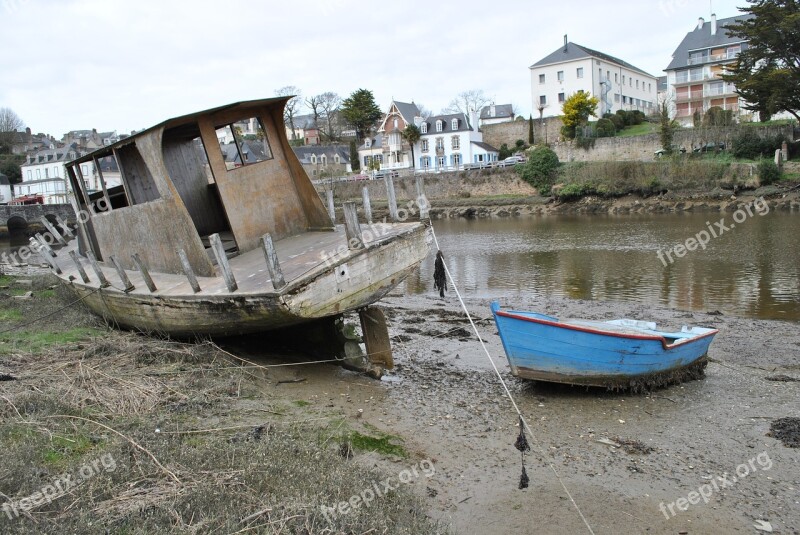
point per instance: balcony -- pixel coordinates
(712, 58)
(686, 97)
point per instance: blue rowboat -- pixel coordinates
(617, 354)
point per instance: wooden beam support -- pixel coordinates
(390, 196)
(84, 277)
(273, 264)
(52, 230)
(140, 265)
(331, 208)
(376, 336)
(188, 271)
(422, 199)
(63, 224)
(367, 205)
(97, 271)
(222, 262)
(128, 286)
(352, 229)
(44, 245)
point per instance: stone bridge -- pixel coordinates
(28, 217)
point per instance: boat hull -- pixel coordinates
(542, 348)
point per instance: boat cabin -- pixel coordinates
(228, 171)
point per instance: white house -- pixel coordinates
(450, 141)
(396, 150)
(496, 113)
(43, 174)
(371, 151)
(572, 68)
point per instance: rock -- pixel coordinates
(26, 295)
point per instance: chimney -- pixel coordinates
(565, 43)
(492, 111)
(700, 23)
(713, 24)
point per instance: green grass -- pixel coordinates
(10, 315)
(302, 403)
(382, 443)
(35, 341)
(638, 130)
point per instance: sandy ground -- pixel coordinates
(446, 402)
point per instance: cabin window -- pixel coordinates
(242, 146)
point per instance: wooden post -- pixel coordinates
(44, 245)
(391, 197)
(84, 277)
(97, 271)
(52, 230)
(422, 199)
(122, 275)
(273, 265)
(148, 280)
(222, 262)
(367, 206)
(64, 225)
(376, 336)
(352, 229)
(188, 271)
(331, 208)
(47, 258)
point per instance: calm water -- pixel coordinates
(752, 270)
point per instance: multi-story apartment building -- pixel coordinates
(694, 77)
(572, 68)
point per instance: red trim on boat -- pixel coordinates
(603, 333)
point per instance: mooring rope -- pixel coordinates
(505, 387)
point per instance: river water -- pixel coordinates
(750, 270)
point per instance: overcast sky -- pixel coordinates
(124, 65)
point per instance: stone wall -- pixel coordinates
(546, 130)
(32, 214)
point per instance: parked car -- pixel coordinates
(661, 152)
(513, 160)
(360, 177)
(710, 147)
(384, 174)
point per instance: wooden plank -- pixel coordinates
(84, 277)
(390, 195)
(63, 224)
(222, 262)
(273, 264)
(102, 183)
(367, 205)
(351, 227)
(128, 286)
(422, 199)
(52, 230)
(376, 336)
(144, 271)
(44, 245)
(188, 271)
(97, 271)
(331, 208)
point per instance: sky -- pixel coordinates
(127, 65)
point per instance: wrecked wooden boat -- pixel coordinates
(616, 354)
(207, 224)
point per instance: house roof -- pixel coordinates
(60, 154)
(701, 37)
(408, 110)
(501, 111)
(304, 153)
(232, 154)
(463, 124)
(377, 143)
(303, 122)
(574, 51)
(485, 146)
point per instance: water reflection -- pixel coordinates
(752, 271)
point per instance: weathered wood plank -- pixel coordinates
(222, 262)
(140, 265)
(422, 199)
(82, 272)
(331, 207)
(367, 205)
(52, 230)
(97, 271)
(390, 195)
(188, 271)
(128, 286)
(273, 264)
(352, 229)
(376, 336)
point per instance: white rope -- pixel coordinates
(505, 387)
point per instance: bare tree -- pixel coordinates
(292, 105)
(10, 123)
(467, 102)
(313, 103)
(424, 112)
(330, 103)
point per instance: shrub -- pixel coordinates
(716, 116)
(540, 169)
(520, 144)
(768, 172)
(505, 152)
(619, 122)
(570, 192)
(638, 117)
(605, 128)
(748, 144)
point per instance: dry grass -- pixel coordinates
(186, 457)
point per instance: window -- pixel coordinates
(29, 174)
(440, 161)
(637, 84)
(324, 160)
(423, 128)
(379, 158)
(439, 126)
(425, 162)
(541, 78)
(649, 87)
(85, 170)
(580, 72)
(395, 122)
(454, 124)
(239, 150)
(38, 174)
(616, 97)
(561, 97)
(424, 144)
(367, 143)
(336, 158)
(543, 100)
(367, 161)
(313, 158)
(46, 172)
(456, 160)
(560, 76)
(616, 78)
(623, 79)
(608, 75)
(439, 143)
(456, 142)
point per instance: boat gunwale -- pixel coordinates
(652, 337)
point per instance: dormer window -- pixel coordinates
(454, 124)
(439, 125)
(368, 143)
(336, 158)
(313, 158)
(423, 128)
